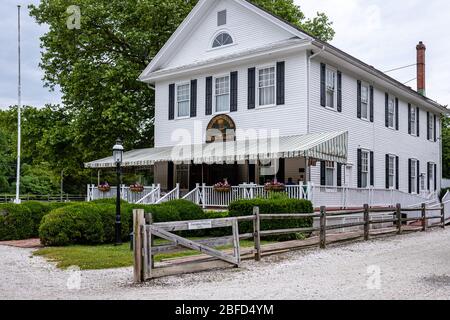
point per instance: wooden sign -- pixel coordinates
(199, 225)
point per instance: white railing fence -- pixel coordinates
(151, 197)
(171, 195)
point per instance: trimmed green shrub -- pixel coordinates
(186, 209)
(38, 210)
(275, 204)
(16, 222)
(74, 224)
(108, 217)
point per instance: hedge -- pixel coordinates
(274, 204)
(38, 211)
(16, 222)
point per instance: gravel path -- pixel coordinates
(414, 266)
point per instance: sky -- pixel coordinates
(379, 32)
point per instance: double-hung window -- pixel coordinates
(365, 101)
(183, 100)
(431, 127)
(329, 173)
(413, 120)
(391, 172)
(266, 86)
(330, 88)
(222, 94)
(364, 169)
(391, 112)
(431, 176)
(414, 177)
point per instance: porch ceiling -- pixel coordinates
(329, 146)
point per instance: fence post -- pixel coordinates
(256, 233)
(366, 222)
(151, 241)
(398, 211)
(424, 217)
(236, 243)
(323, 227)
(138, 221)
(443, 216)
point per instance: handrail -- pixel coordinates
(150, 194)
(169, 195)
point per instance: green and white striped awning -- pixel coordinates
(328, 146)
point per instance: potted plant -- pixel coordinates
(104, 187)
(222, 186)
(137, 187)
(274, 186)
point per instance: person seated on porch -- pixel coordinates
(290, 182)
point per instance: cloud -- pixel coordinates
(385, 34)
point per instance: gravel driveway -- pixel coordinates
(414, 266)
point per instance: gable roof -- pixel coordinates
(195, 16)
(203, 5)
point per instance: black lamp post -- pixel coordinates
(118, 157)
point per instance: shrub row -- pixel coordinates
(22, 221)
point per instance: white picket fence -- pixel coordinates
(208, 197)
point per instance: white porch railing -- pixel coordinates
(172, 195)
(126, 194)
(151, 197)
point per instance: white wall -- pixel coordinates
(373, 136)
(290, 118)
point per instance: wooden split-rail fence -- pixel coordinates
(145, 231)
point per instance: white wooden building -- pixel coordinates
(348, 133)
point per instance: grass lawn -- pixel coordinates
(106, 256)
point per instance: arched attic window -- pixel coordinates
(222, 39)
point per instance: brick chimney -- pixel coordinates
(421, 68)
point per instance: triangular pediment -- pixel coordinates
(247, 25)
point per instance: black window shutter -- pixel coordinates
(251, 88)
(428, 175)
(371, 104)
(372, 171)
(396, 113)
(339, 175)
(435, 128)
(435, 177)
(428, 126)
(418, 121)
(339, 91)
(193, 98)
(322, 173)
(397, 173)
(358, 90)
(233, 91)
(280, 82)
(409, 175)
(172, 101)
(209, 95)
(409, 118)
(323, 69)
(418, 176)
(386, 116)
(359, 168)
(387, 172)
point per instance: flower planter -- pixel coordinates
(275, 188)
(104, 189)
(137, 189)
(222, 189)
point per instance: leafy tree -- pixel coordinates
(96, 66)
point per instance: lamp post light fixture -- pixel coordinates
(118, 158)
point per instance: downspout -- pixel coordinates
(308, 107)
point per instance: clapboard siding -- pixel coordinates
(373, 136)
(289, 119)
(197, 47)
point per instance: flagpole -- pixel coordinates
(19, 107)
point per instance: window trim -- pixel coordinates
(391, 98)
(392, 157)
(430, 127)
(333, 168)
(334, 70)
(413, 128)
(216, 34)
(414, 174)
(431, 165)
(365, 151)
(258, 69)
(224, 75)
(179, 84)
(367, 85)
